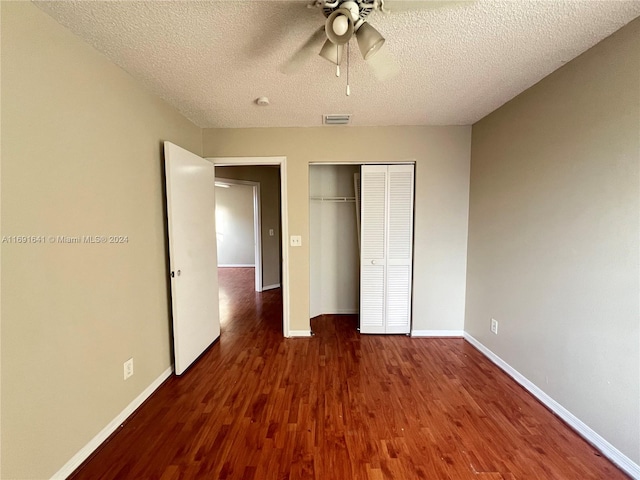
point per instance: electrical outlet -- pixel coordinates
(128, 368)
(296, 241)
(494, 326)
(271, 232)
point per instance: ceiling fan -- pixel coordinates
(346, 19)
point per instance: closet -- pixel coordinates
(333, 240)
(361, 243)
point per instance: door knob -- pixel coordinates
(373, 262)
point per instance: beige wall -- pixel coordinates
(553, 236)
(442, 176)
(234, 226)
(81, 155)
(269, 179)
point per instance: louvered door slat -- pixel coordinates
(373, 204)
(400, 249)
(400, 212)
(372, 299)
(398, 298)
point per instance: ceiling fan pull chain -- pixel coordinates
(348, 55)
(337, 60)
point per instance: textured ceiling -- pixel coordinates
(456, 62)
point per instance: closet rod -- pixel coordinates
(334, 199)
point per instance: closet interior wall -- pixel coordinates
(333, 243)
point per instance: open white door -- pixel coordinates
(192, 253)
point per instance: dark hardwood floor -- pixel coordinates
(338, 406)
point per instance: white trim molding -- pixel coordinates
(237, 265)
(438, 333)
(271, 287)
(338, 311)
(299, 333)
(96, 441)
(608, 450)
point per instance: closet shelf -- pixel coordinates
(333, 199)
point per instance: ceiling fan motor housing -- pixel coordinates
(359, 9)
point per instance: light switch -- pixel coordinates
(296, 241)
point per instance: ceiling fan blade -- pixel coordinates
(393, 6)
(304, 53)
(279, 18)
(383, 65)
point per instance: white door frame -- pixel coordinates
(284, 218)
(257, 225)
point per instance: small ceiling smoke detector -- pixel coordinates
(337, 119)
(262, 101)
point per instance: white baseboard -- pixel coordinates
(299, 333)
(271, 287)
(338, 311)
(437, 333)
(608, 450)
(237, 265)
(96, 441)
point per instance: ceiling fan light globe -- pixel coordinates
(369, 40)
(329, 26)
(373, 50)
(332, 52)
(340, 25)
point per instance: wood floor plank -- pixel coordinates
(339, 406)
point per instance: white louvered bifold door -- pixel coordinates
(399, 248)
(386, 248)
(373, 212)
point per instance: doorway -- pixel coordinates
(274, 264)
(239, 225)
(333, 240)
(361, 246)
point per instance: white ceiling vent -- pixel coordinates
(337, 119)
